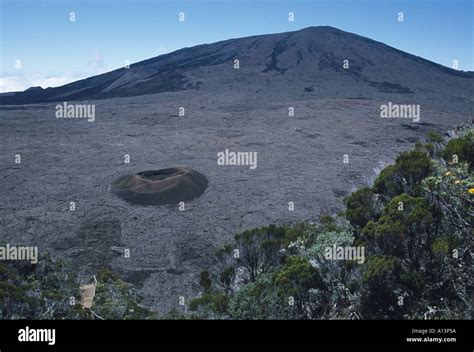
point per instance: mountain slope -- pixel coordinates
(309, 60)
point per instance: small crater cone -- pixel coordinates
(160, 187)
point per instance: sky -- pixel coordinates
(41, 46)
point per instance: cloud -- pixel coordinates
(20, 83)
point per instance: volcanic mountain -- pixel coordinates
(318, 61)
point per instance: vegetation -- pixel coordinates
(50, 290)
(461, 149)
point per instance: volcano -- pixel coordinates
(315, 61)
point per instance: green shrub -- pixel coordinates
(405, 175)
(434, 137)
(462, 147)
(215, 302)
(361, 207)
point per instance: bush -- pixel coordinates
(210, 302)
(117, 299)
(401, 229)
(259, 249)
(361, 207)
(379, 298)
(405, 175)
(434, 137)
(259, 300)
(462, 147)
(388, 182)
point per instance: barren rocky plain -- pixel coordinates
(300, 157)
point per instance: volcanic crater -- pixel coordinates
(160, 187)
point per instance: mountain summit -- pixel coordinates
(323, 61)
